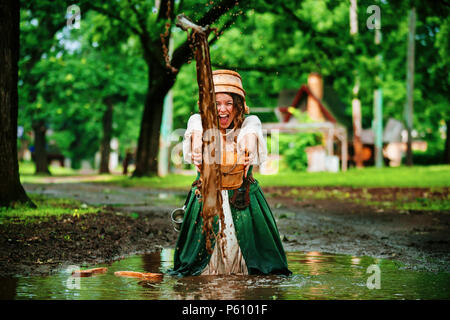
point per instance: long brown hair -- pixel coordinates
(238, 103)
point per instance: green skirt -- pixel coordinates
(256, 232)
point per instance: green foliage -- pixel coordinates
(292, 149)
(185, 96)
(433, 155)
(72, 88)
(65, 74)
(277, 45)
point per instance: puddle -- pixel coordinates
(316, 275)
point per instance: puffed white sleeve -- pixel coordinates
(252, 124)
(194, 124)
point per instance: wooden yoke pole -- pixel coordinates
(210, 168)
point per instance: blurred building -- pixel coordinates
(323, 106)
(333, 118)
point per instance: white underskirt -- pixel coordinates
(227, 256)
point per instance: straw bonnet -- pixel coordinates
(231, 82)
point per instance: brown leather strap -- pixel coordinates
(245, 184)
(233, 199)
(247, 193)
(196, 182)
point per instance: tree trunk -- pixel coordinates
(447, 144)
(11, 190)
(409, 154)
(160, 83)
(40, 152)
(148, 143)
(410, 84)
(105, 146)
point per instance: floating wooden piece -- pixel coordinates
(88, 272)
(142, 275)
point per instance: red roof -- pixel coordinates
(304, 89)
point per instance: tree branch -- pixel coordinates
(183, 52)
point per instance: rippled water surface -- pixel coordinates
(315, 276)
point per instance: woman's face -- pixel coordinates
(225, 109)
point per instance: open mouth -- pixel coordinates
(223, 119)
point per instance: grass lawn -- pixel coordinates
(27, 168)
(46, 206)
(417, 176)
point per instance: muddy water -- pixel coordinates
(315, 276)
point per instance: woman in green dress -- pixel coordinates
(250, 242)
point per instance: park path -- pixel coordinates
(142, 200)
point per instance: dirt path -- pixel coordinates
(135, 220)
